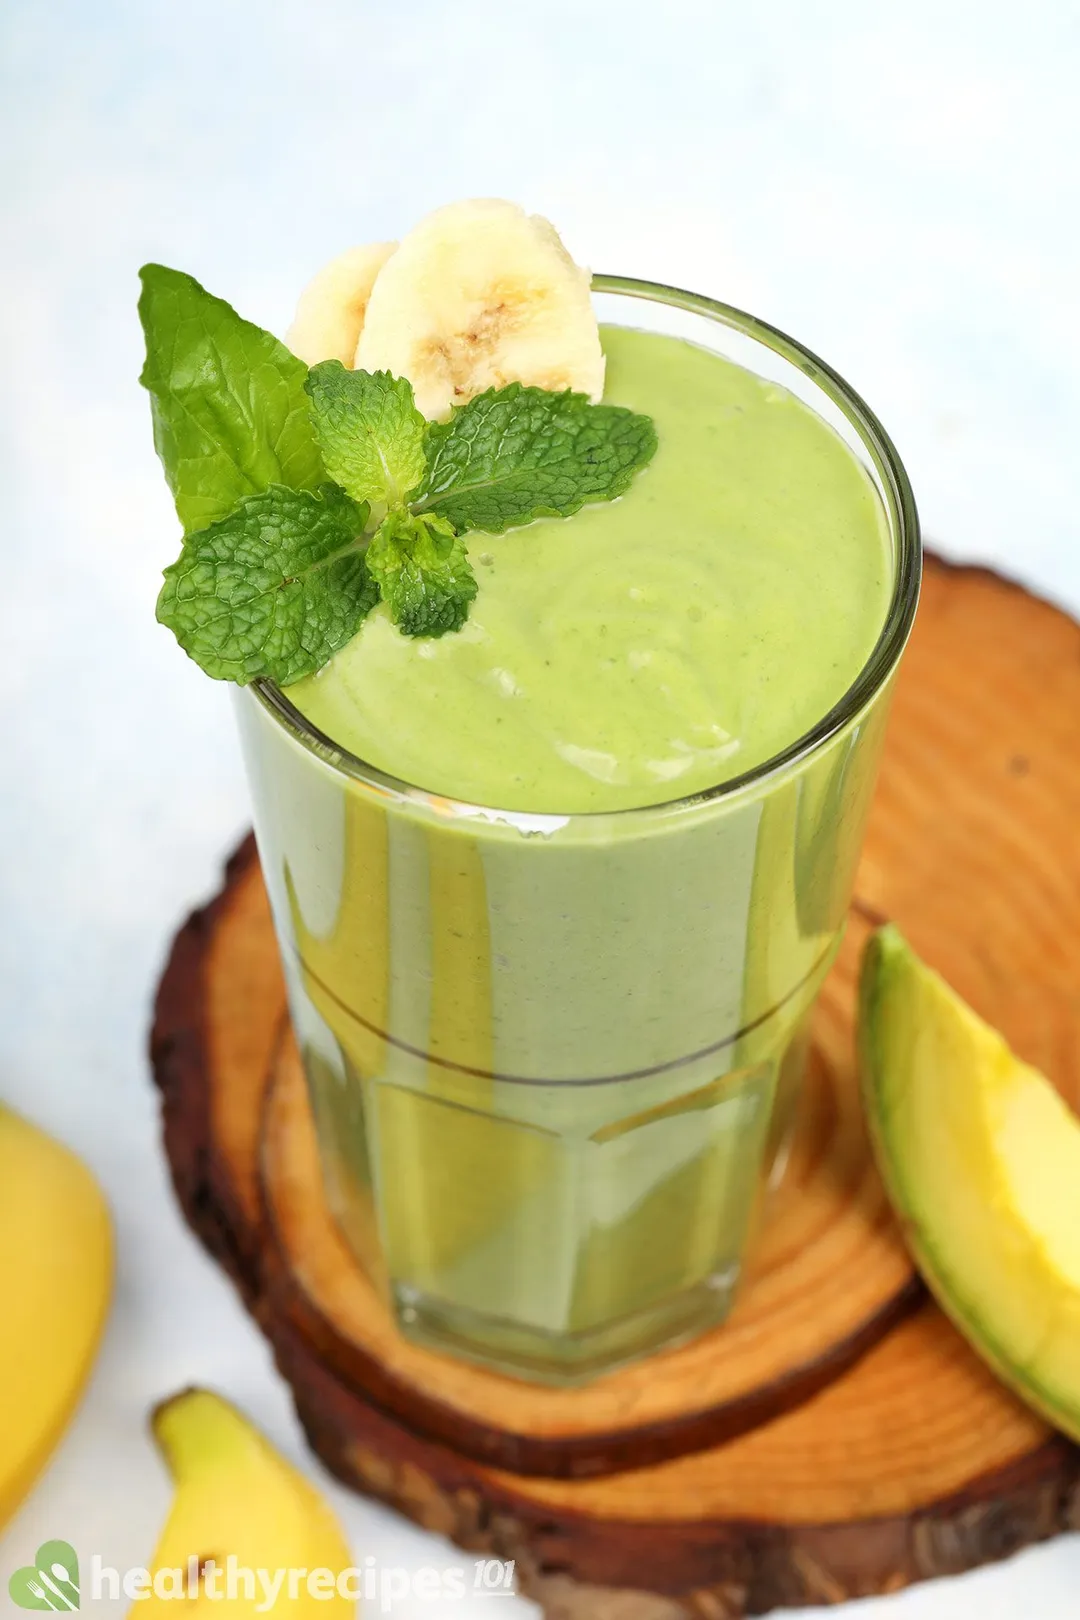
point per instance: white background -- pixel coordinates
(897, 185)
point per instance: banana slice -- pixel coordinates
(330, 312)
(482, 294)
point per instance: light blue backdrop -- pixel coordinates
(895, 185)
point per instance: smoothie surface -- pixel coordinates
(647, 648)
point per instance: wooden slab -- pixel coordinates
(865, 1445)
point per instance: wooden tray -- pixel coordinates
(836, 1438)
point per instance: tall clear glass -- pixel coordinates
(551, 1057)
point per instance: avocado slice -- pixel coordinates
(981, 1159)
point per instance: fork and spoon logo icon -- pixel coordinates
(50, 1582)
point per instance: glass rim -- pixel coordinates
(871, 678)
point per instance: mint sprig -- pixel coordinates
(276, 471)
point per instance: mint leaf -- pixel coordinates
(370, 432)
(230, 413)
(424, 573)
(274, 589)
(516, 453)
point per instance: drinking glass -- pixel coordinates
(552, 1057)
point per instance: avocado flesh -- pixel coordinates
(981, 1158)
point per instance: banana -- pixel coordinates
(240, 1505)
(330, 311)
(56, 1269)
(482, 294)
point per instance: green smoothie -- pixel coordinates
(553, 1045)
(655, 645)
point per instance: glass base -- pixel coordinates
(562, 1359)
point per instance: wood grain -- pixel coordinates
(865, 1445)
